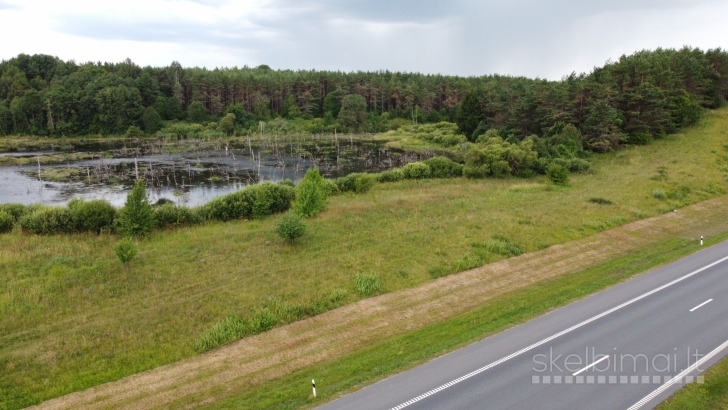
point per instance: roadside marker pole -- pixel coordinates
(313, 384)
(701, 240)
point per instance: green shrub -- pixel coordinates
(14, 210)
(442, 167)
(444, 133)
(393, 175)
(137, 217)
(311, 194)
(331, 187)
(476, 172)
(579, 165)
(126, 250)
(355, 182)
(288, 182)
(225, 331)
(600, 201)
(416, 170)
(367, 284)
(6, 222)
(270, 198)
(255, 201)
(93, 216)
(572, 164)
(134, 132)
(659, 194)
(48, 221)
(557, 174)
(262, 321)
(290, 227)
(175, 216)
(363, 183)
(640, 138)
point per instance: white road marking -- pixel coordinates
(550, 338)
(701, 305)
(592, 365)
(678, 378)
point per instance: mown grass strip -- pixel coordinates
(348, 373)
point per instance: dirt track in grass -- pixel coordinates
(233, 368)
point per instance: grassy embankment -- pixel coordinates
(396, 354)
(711, 395)
(71, 317)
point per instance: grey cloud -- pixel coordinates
(465, 37)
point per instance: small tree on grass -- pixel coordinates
(126, 250)
(311, 194)
(290, 227)
(557, 174)
(137, 217)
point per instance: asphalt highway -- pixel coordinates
(628, 347)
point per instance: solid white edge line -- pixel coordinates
(550, 338)
(701, 305)
(678, 378)
(605, 357)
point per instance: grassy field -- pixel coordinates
(711, 395)
(71, 317)
(346, 374)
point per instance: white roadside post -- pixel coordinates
(313, 384)
(701, 240)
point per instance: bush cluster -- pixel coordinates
(93, 216)
(359, 182)
(494, 157)
(6, 222)
(253, 202)
(79, 216)
(442, 167)
(48, 221)
(169, 215)
(392, 175)
(442, 133)
(416, 170)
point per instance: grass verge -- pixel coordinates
(344, 375)
(711, 395)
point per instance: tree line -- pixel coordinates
(631, 100)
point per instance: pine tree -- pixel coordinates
(137, 217)
(470, 114)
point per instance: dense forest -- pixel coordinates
(632, 100)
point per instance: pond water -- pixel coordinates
(189, 172)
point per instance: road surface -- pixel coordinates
(628, 347)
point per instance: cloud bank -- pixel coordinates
(531, 38)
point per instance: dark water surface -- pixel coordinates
(187, 172)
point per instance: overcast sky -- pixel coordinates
(534, 38)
